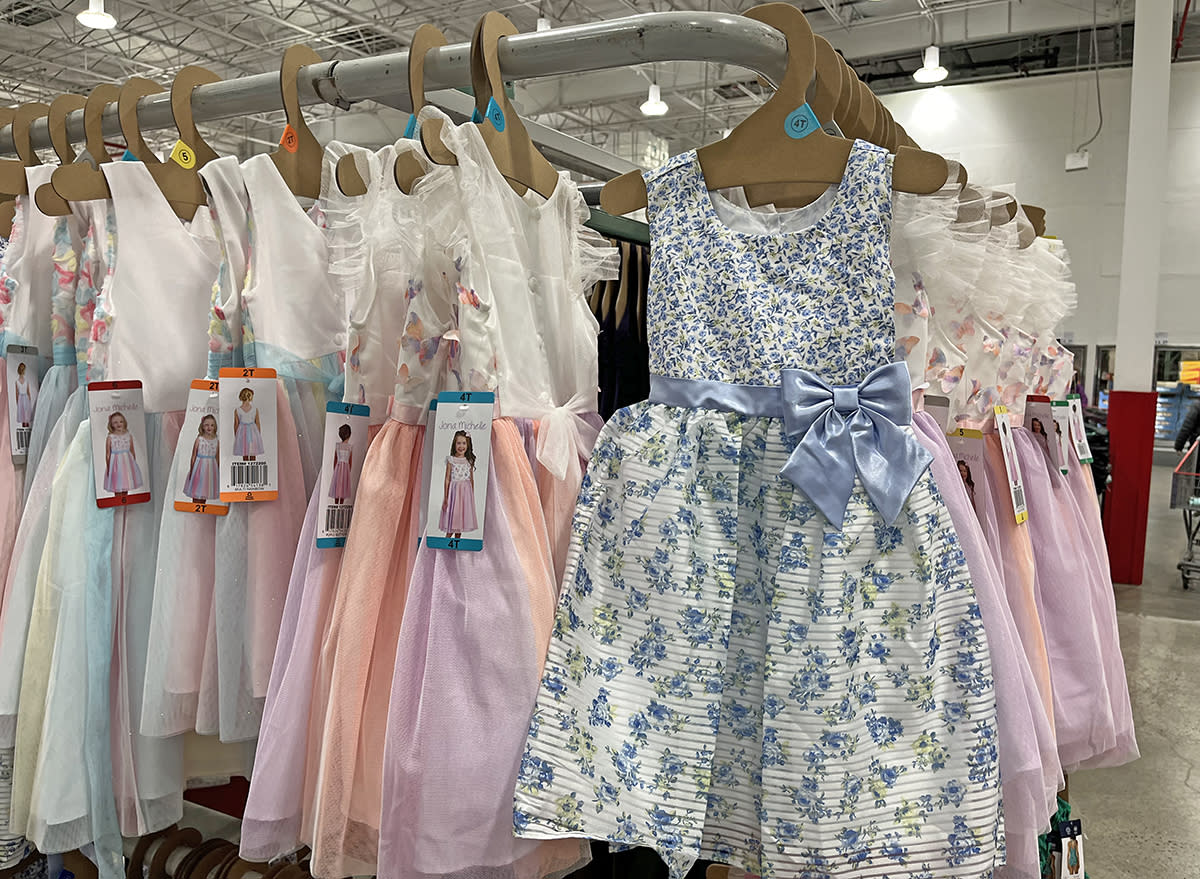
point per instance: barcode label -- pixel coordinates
(250, 474)
(1019, 497)
(337, 520)
(23, 434)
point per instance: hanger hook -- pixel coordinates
(131, 92)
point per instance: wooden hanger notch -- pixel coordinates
(47, 200)
(181, 186)
(81, 181)
(12, 171)
(409, 166)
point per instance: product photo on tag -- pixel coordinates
(249, 428)
(22, 364)
(1060, 410)
(1071, 856)
(118, 428)
(1079, 429)
(462, 445)
(1012, 466)
(345, 448)
(967, 448)
(198, 482)
(1039, 421)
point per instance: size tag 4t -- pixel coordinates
(1012, 466)
(462, 446)
(249, 429)
(1078, 429)
(801, 122)
(119, 452)
(22, 364)
(970, 459)
(1060, 411)
(345, 448)
(198, 464)
(1039, 421)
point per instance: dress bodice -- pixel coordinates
(120, 442)
(460, 468)
(206, 448)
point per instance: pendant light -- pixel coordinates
(931, 70)
(95, 16)
(654, 105)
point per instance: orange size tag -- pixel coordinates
(290, 140)
(248, 435)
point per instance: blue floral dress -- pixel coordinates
(733, 676)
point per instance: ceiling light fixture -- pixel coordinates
(654, 105)
(95, 16)
(932, 70)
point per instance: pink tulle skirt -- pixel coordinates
(123, 473)
(339, 485)
(458, 509)
(204, 480)
(247, 440)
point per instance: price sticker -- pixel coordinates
(183, 155)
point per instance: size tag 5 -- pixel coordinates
(345, 448)
(183, 155)
(1060, 411)
(1039, 421)
(462, 445)
(249, 430)
(22, 364)
(1079, 429)
(119, 453)
(1012, 466)
(198, 476)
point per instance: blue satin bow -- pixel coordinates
(845, 430)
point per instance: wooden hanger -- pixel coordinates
(299, 156)
(47, 200)
(182, 86)
(850, 104)
(408, 168)
(8, 203)
(12, 171)
(181, 186)
(867, 112)
(512, 150)
(759, 150)
(1036, 216)
(81, 181)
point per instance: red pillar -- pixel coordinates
(1131, 416)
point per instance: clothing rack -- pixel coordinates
(712, 37)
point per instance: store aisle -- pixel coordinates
(1139, 819)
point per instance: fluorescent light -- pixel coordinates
(543, 23)
(95, 16)
(932, 70)
(654, 105)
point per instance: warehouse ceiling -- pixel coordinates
(44, 52)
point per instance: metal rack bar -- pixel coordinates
(638, 39)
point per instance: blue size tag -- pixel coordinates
(410, 130)
(495, 115)
(344, 450)
(129, 157)
(476, 116)
(801, 122)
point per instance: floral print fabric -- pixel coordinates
(732, 676)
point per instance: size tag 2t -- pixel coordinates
(249, 429)
(1039, 421)
(183, 155)
(1012, 466)
(22, 364)
(971, 462)
(119, 453)
(345, 448)
(1079, 429)
(198, 480)
(1060, 411)
(462, 445)
(290, 140)
(801, 122)
(1071, 860)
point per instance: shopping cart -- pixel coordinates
(1185, 495)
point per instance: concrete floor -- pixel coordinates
(1141, 820)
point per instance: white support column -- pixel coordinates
(1145, 189)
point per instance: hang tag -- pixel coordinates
(462, 445)
(1071, 852)
(1012, 466)
(939, 409)
(249, 426)
(801, 122)
(970, 459)
(1079, 429)
(344, 450)
(495, 115)
(1060, 411)
(476, 116)
(182, 155)
(410, 130)
(128, 156)
(119, 452)
(22, 364)
(198, 482)
(290, 140)
(1039, 421)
